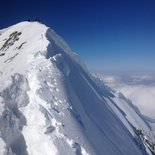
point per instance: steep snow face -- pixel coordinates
(50, 104)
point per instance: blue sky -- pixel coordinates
(110, 35)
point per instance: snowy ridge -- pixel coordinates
(50, 104)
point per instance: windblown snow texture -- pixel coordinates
(50, 104)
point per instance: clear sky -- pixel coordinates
(110, 35)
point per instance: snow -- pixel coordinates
(2, 147)
(2, 106)
(51, 104)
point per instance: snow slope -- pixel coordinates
(50, 104)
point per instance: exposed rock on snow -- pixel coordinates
(50, 104)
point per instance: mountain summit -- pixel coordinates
(51, 105)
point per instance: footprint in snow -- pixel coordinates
(77, 147)
(49, 129)
(56, 110)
